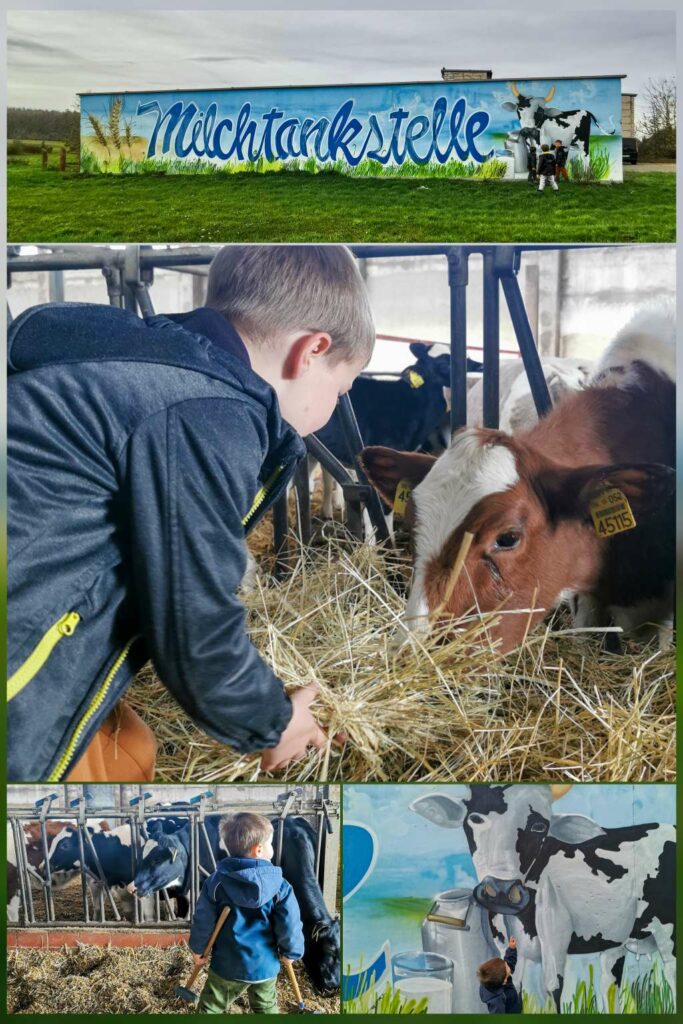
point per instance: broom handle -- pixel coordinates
(293, 982)
(209, 946)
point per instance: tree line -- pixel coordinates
(43, 125)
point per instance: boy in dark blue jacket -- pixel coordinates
(141, 452)
(496, 989)
(263, 925)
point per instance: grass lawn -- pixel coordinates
(46, 206)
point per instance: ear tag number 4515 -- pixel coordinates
(611, 513)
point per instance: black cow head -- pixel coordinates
(323, 956)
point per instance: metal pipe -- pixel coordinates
(100, 872)
(303, 500)
(354, 443)
(280, 533)
(491, 323)
(84, 884)
(525, 340)
(457, 282)
(24, 881)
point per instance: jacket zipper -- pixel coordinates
(65, 626)
(92, 709)
(261, 496)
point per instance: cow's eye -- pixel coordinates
(538, 826)
(507, 541)
(476, 819)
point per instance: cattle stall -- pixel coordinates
(128, 274)
(85, 809)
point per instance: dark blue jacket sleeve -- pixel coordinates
(190, 476)
(496, 1005)
(204, 920)
(510, 958)
(286, 921)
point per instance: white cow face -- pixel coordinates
(507, 830)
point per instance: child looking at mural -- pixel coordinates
(546, 168)
(532, 163)
(496, 989)
(263, 923)
(561, 154)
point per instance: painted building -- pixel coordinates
(582, 876)
(471, 128)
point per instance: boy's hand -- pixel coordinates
(286, 960)
(512, 943)
(302, 732)
(199, 961)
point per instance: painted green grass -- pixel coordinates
(404, 908)
(218, 207)
(389, 1001)
(365, 169)
(647, 994)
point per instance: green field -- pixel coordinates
(48, 206)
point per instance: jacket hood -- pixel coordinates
(76, 332)
(249, 882)
(487, 995)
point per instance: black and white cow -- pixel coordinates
(166, 862)
(543, 124)
(400, 413)
(562, 884)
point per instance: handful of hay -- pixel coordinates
(438, 708)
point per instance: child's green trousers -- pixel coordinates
(219, 994)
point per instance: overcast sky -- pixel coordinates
(52, 55)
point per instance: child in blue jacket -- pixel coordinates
(496, 989)
(263, 925)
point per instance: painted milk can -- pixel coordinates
(458, 928)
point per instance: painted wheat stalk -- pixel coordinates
(128, 135)
(99, 131)
(114, 121)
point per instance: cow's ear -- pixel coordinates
(442, 810)
(553, 111)
(568, 493)
(574, 828)
(509, 105)
(420, 350)
(386, 468)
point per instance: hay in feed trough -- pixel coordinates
(439, 708)
(99, 979)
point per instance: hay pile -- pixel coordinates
(95, 979)
(560, 708)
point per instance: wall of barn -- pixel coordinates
(415, 860)
(116, 797)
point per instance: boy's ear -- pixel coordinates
(306, 347)
(568, 493)
(385, 468)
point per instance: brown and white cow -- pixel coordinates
(525, 499)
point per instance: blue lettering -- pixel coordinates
(266, 146)
(476, 124)
(284, 138)
(398, 117)
(375, 154)
(417, 129)
(343, 130)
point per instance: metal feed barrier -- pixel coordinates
(320, 811)
(129, 276)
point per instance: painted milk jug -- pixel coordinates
(458, 928)
(419, 975)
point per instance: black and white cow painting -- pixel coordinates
(541, 124)
(561, 884)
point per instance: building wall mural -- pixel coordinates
(447, 129)
(441, 877)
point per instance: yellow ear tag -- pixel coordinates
(403, 492)
(611, 513)
(414, 379)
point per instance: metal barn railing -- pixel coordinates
(320, 810)
(129, 276)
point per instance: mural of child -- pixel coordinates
(547, 166)
(496, 988)
(561, 155)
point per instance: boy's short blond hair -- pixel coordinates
(268, 290)
(242, 832)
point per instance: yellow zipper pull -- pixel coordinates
(67, 625)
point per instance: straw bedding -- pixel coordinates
(96, 979)
(438, 710)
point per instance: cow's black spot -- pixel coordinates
(494, 931)
(483, 799)
(618, 970)
(594, 944)
(529, 841)
(658, 894)
(557, 993)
